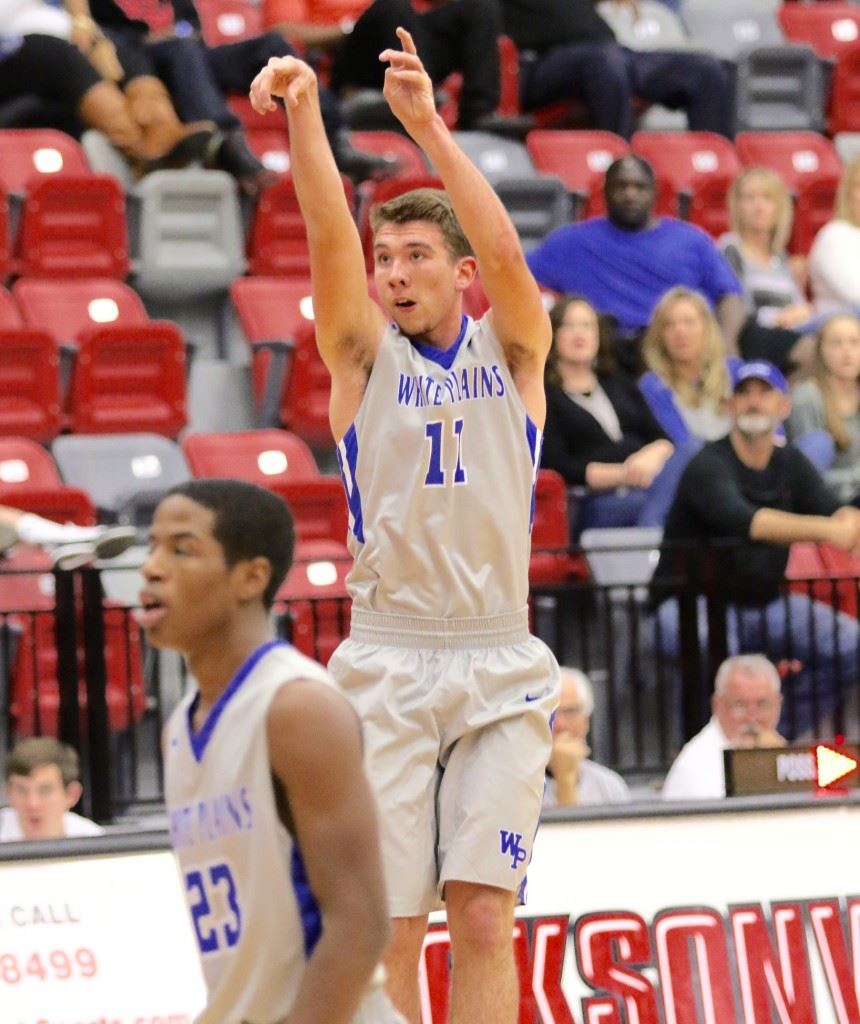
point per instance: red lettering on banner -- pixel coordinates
(766, 975)
(697, 933)
(605, 942)
(539, 965)
(843, 975)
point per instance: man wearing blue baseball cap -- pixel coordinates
(741, 502)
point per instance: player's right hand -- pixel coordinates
(287, 77)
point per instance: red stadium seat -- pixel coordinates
(28, 153)
(829, 28)
(129, 379)
(845, 93)
(69, 307)
(27, 465)
(272, 310)
(73, 226)
(30, 402)
(278, 241)
(698, 166)
(551, 561)
(240, 104)
(580, 159)
(809, 165)
(317, 600)
(62, 504)
(228, 21)
(29, 479)
(826, 573)
(265, 457)
(35, 692)
(271, 146)
(319, 509)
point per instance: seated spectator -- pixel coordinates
(761, 213)
(573, 779)
(71, 545)
(687, 383)
(740, 503)
(54, 71)
(835, 253)
(745, 711)
(829, 403)
(451, 35)
(599, 432)
(42, 785)
(164, 42)
(575, 56)
(625, 262)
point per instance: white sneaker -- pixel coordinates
(111, 543)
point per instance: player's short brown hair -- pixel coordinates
(427, 204)
(29, 754)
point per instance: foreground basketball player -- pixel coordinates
(438, 422)
(271, 816)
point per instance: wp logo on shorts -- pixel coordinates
(512, 847)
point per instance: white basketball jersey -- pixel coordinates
(439, 468)
(254, 915)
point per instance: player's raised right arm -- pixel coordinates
(349, 325)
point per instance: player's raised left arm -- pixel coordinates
(519, 318)
(315, 751)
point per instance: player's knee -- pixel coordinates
(481, 922)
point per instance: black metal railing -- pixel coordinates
(76, 663)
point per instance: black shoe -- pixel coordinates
(191, 148)
(359, 165)
(234, 157)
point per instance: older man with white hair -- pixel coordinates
(745, 710)
(572, 778)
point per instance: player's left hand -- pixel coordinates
(408, 88)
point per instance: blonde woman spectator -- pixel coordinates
(761, 214)
(834, 260)
(830, 402)
(687, 383)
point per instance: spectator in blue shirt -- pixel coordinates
(624, 262)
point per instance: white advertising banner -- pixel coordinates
(96, 940)
(728, 918)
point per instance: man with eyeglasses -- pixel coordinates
(745, 710)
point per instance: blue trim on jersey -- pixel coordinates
(347, 459)
(534, 439)
(200, 740)
(443, 357)
(309, 910)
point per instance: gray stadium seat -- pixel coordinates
(535, 205)
(191, 235)
(780, 88)
(124, 474)
(497, 157)
(728, 30)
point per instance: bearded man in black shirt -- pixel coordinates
(741, 502)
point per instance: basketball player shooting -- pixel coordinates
(438, 424)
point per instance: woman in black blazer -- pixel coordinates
(600, 433)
